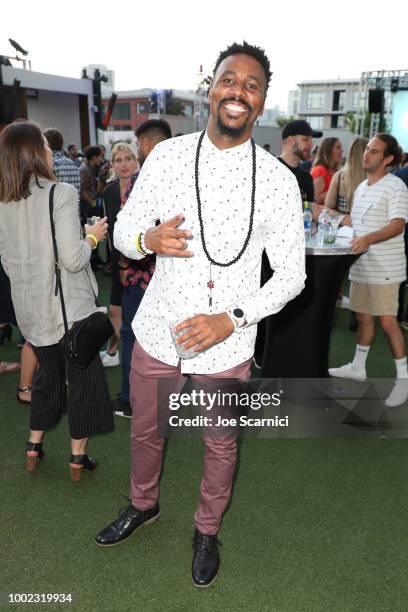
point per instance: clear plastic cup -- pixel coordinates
(93, 220)
(183, 354)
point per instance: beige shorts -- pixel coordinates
(375, 300)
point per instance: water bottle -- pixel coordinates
(307, 221)
(324, 227)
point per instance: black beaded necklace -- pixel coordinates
(212, 261)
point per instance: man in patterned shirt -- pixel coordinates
(235, 200)
(65, 169)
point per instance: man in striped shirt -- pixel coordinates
(379, 214)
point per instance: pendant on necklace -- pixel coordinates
(210, 285)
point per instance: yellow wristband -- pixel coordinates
(94, 239)
(139, 248)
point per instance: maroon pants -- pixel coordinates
(147, 448)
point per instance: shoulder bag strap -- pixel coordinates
(58, 284)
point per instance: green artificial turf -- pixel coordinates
(314, 525)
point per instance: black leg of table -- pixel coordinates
(297, 338)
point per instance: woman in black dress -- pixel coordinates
(125, 166)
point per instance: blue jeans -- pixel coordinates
(132, 296)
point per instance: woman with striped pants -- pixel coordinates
(27, 255)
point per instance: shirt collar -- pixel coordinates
(232, 152)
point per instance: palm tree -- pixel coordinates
(282, 120)
(173, 106)
(350, 122)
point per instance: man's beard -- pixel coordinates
(231, 132)
(227, 130)
(301, 155)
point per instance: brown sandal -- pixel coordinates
(33, 447)
(23, 390)
(79, 463)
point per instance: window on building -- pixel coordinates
(142, 108)
(337, 121)
(188, 110)
(122, 128)
(338, 99)
(315, 100)
(356, 99)
(316, 122)
(121, 110)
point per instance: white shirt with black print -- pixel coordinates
(178, 289)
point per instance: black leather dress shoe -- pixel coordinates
(206, 559)
(121, 528)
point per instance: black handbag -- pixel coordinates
(84, 340)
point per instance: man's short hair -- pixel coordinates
(92, 151)
(55, 139)
(256, 52)
(71, 146)
(158, 126)
(391, 147)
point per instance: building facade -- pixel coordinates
(134, 106)
(325, 103)
(50, 101)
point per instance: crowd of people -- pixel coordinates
(183, 220)
(370, 190)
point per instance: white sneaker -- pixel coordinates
(258, 367)
(108, 360)
(343, 302)
(399, 394)
(349, 371)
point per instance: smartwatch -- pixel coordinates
(237, 316)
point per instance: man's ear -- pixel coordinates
(140, 141)
(389, 159)
(148, 146)
(209, 97)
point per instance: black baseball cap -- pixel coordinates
(299, 127)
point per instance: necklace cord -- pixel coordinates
(199, 208)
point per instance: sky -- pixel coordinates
(162, 44)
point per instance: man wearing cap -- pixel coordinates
(297, 146)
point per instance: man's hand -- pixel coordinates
(361, 244)
(166, 239)
(205, 331)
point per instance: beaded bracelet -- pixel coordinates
(143, 244)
